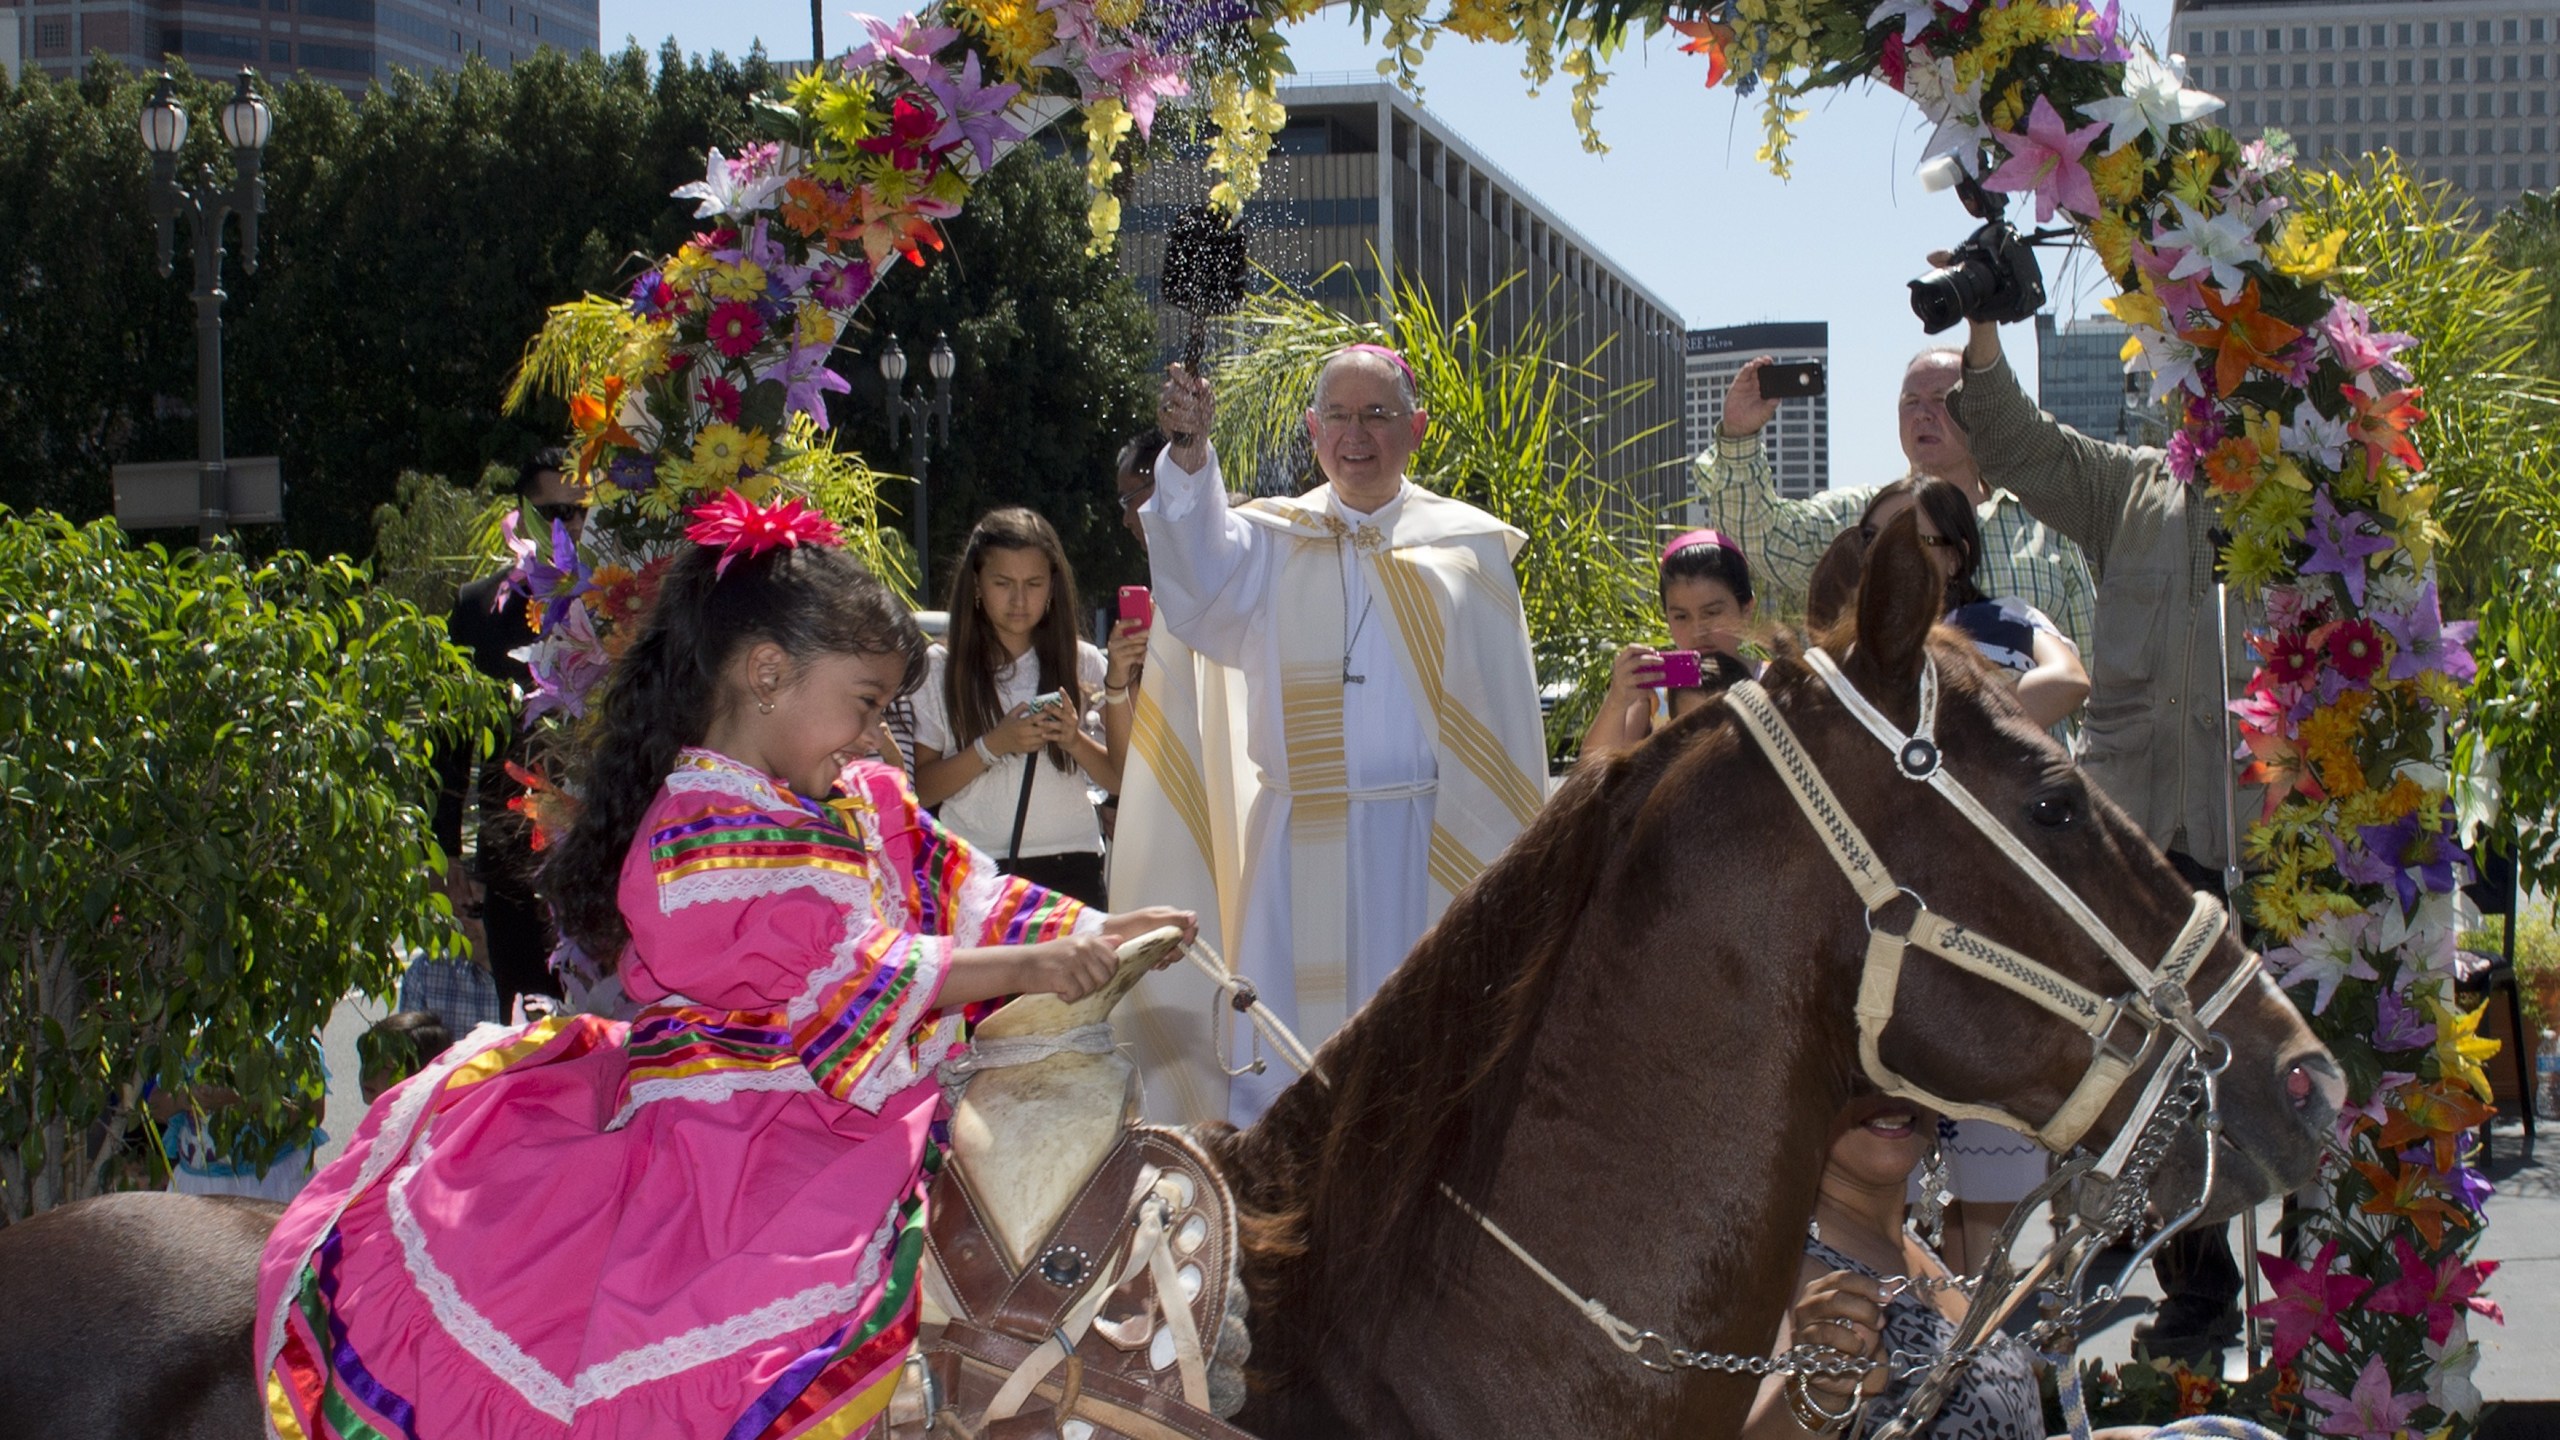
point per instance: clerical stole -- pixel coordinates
(1439, 582)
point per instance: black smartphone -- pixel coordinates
(1791, 380)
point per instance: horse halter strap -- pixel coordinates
(2120, 1030)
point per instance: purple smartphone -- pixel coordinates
(1679, 669)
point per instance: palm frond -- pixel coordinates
(579, 342)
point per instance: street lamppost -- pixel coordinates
(916, 417)
(206, 204)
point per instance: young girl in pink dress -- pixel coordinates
(706, 1222)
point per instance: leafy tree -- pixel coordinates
(1514, 429)
(1054, 352)
(410, 247)
(212, 817)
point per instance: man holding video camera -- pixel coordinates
(2153, 734)
(2022, 558)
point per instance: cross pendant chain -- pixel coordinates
(1347, 677)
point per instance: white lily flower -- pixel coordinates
(1915, 15)
(2171, 363)
(2221, 244)
(2315, 436)
(725, 189)
(2155, 98)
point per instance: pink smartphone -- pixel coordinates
(1679, 669)
(1137, 604)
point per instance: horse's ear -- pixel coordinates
(1834, 586)
(1900, 597)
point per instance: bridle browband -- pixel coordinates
(2120, 1030)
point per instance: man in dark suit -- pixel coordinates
(499, 879)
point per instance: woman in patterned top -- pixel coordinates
(1871, 1287)
(707, 1221)
(2012, 634)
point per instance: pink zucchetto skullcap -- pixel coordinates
(1696, 538)
(1383, 353)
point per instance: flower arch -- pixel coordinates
(2289, 410)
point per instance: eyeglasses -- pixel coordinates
(1373, 419)
(565, 512)
(1132, 499)
(1868, 533)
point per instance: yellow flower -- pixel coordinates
(1016, 31)
(2305, 256)
(2460, 1047)
(2138, 307)
(743, 281)
(2263, 431)
(2328, 741)
(1123, 13)
(2010, 108)
(687, 267)
(723, 450)
(1479, 20)
(2191, 178)
(2117, 176)
(812, 325)
(2410, 506)
(2112, 236)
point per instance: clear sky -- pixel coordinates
(1679, 201)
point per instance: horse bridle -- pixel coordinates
(2157, 999)
(2114, 1186)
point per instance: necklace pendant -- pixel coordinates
(1350, 679)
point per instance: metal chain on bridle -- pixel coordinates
(2109, 1194)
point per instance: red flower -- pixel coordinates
(735, 328)
(738, 526)
(909, 143)
(722, 399)
(2292, 660)
(2381, 426)
(2355, 647)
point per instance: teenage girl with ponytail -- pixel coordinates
(705, 1221)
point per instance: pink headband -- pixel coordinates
(1383, 353)
(1695, 538)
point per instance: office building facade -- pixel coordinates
(349, 43)
(2463, 90)
(1364, 183)
(2081, 381)
(1797, 441)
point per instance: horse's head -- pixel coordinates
(2061, 972)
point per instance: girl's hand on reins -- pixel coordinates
(1843, 1311)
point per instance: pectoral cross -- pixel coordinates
(1347, 677)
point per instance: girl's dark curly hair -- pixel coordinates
(664, 692)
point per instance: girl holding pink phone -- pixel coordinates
(1705, 585)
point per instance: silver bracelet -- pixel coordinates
(986, 756)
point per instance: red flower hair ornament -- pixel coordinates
(737, 526)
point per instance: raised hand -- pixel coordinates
(1746, 410)
(1185, 408)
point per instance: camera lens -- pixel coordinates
(1940, 298)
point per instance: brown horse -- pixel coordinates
(1626, 1042)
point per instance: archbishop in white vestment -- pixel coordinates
(1337, 730)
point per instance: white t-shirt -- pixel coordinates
(1061, 820)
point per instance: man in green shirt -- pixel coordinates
(2022, 558)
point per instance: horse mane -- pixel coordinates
(1340, 1182)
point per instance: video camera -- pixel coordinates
(1993, 275)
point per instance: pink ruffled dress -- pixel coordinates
(703, 1223)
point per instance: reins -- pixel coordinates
(2113, 1188)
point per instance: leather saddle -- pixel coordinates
(1080, 1268)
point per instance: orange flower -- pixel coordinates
(597, 419)
(2381, 425)
(2328, 743)
(2438, 1114)
(813, 209)
(2232, 466)
(1707, 38)
(2410, 1192)
(2196, 1393)
(2244, 340)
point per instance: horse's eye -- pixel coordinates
(2053, 812)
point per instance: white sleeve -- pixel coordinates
(1211, 567)
(933, 721)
